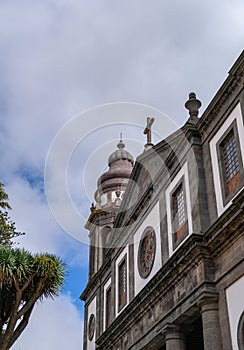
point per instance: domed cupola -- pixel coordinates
(119, 154)
(111, 185)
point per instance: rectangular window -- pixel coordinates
(231, 168)
(230, 163)
(108, 307)
(179, 214)
(122, 291)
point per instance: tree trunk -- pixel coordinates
(21, 326)
(6, 338)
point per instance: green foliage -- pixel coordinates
(51, 268)
(7, 226)
(24, 278)
(4, 204)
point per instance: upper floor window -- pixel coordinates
(230, 163)
(108, 306)
(179, 214)
(122, 287)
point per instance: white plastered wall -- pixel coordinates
(235, 304)
(118, 260)
(168, 193)
(234, 115)
(91, 310)
(153, 220)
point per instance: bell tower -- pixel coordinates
(111, 186)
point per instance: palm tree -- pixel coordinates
(24, 279)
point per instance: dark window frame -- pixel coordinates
(122, 298)
(184, 228)
(108, 307)
(227, 196)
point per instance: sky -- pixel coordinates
(74, 74)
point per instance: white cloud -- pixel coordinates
(42, 234)
(58, 58)
(54, 324)
(32, 216)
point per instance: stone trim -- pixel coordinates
(232, 85)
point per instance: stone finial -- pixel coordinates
(121, 144)
(193, 105)
(92, 207)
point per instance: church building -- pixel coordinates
(166, 268)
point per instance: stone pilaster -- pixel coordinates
(210, 322)
(174, 339)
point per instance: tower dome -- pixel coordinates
(120, 153)
(111, 184)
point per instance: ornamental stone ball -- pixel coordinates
(193, 105)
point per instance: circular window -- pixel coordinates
(240, 332)
(91, 327)
(146, 252)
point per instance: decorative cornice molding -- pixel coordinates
(233, 84)
(227, 227)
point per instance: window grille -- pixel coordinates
(122, 284)
(108, 307)
(231, 167)
(179, 214)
